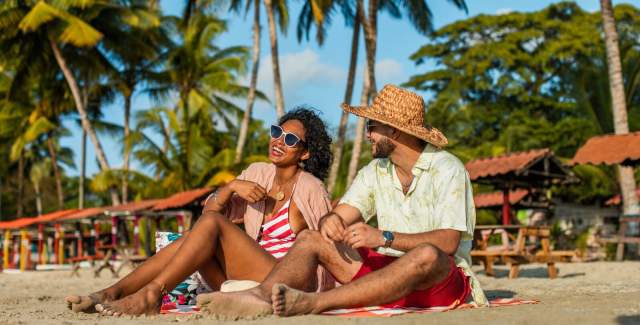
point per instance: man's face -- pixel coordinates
(381, 145)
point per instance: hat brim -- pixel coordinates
(431, 135)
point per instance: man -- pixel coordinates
(418, 256)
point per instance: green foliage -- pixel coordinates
(520, 81)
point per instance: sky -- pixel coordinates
(312, 75)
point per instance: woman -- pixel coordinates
(277, 201)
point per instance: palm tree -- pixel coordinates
(616, 84)
(273, 8)
(251, 96)
(64, 22)
(319, 15)
(204, 77)
(185, 164)
(137, 66)
(420, 17)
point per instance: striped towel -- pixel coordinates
(375, 311)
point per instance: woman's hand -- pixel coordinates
(332, 227)
(362, 235)
(249, 191)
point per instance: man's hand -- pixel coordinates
(362, 235)
(249, 191)
(332, 227)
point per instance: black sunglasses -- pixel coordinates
(290, 139)
(370, 124)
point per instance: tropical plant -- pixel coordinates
(420, 17)
(521, 81)
(253, 83)
(619, 107)
(205, 78)
(71, 22)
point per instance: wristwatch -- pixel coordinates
(388, 238)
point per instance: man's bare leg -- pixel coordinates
(297, 269)
(212, 238)
(419, 269)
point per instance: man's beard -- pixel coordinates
(384, 148)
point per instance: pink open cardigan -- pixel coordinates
(310, 196)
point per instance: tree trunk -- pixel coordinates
(369, 26)
(1, 216)
(348, 93)
(56, 171)
(359, 137)
(616, 85)
(83, 164)
(246, 119)
(273, 37)
(19, 210)
(36, 188)
(86, 124)
(1, 188)
(125, 167)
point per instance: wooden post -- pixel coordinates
(623, 232)
(23, 249)
(95, 232)
(79, 241)
(136, 234)
(40, 243)
(60, 244)
(180, 219)
(114, 230)
(56, 244)
(147, 236)
(506, 207)
(5, 249)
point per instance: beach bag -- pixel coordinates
(186, 291)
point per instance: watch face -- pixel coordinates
(387, 235)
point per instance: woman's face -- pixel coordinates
(283, 155)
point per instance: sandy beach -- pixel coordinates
(585, 293)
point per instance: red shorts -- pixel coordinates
(450, 292)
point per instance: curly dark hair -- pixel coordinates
(318, 141)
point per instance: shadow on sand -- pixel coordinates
(493, 294)
(537, 272)
(628, 319)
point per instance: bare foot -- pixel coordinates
(86, 304)
(234, 305)
(290, 302)
(146, 301)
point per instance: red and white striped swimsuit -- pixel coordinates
(277, 236)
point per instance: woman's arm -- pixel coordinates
(218, 200)
(247, 190)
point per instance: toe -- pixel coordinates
(73, 299)
(100, 308)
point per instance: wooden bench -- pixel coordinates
(128, 256)
(621, 239)
(520, 253)
(106, 261)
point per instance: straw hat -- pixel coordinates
(403, 110)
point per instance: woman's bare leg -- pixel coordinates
(131, 283)
(212, 238)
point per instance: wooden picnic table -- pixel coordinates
(519, 253)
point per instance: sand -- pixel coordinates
(584, 293)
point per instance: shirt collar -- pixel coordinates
(422, 164)
(425, 159)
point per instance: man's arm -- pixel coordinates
(445, 239)
(362, 235)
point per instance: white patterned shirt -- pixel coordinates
(439, 197)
